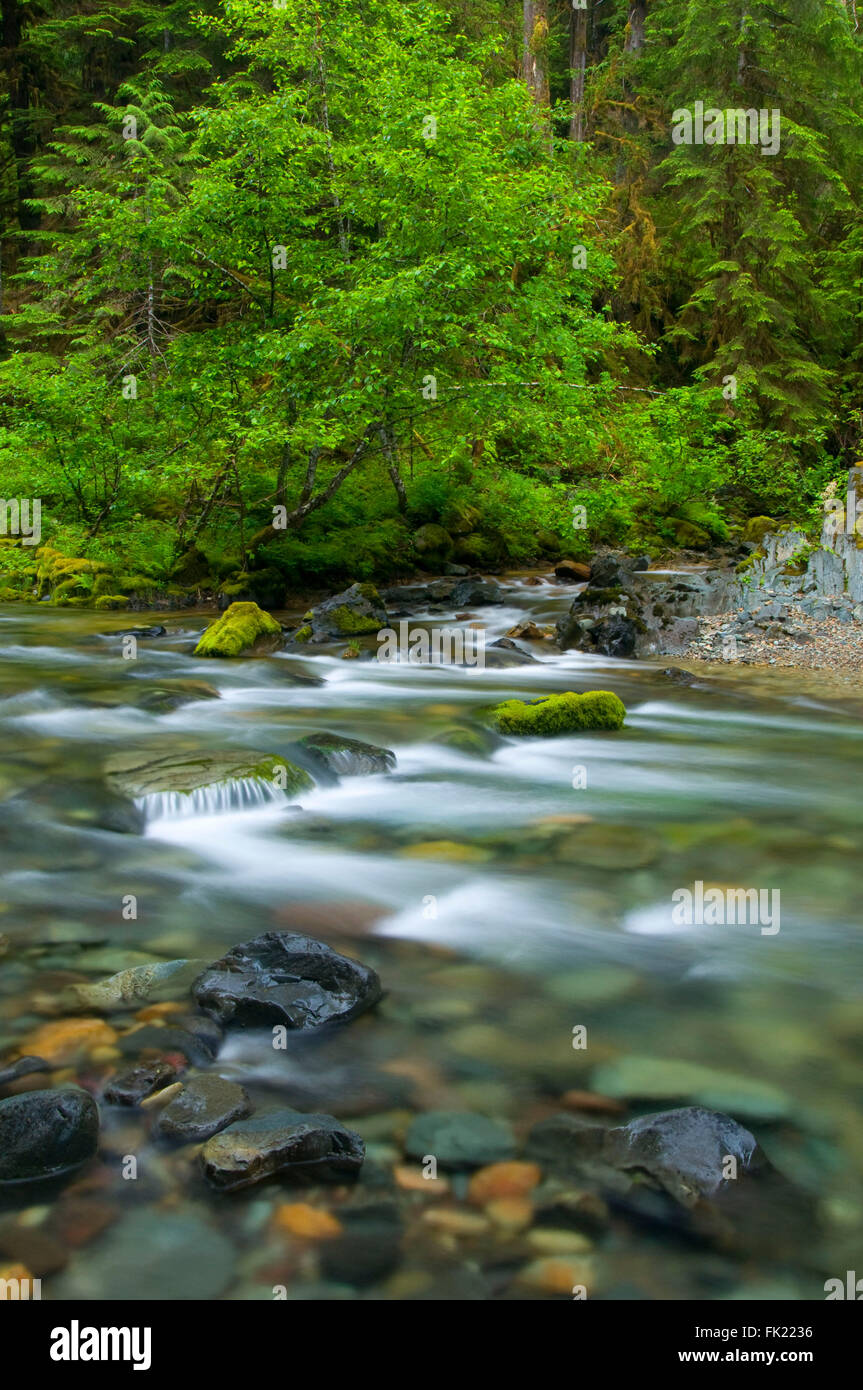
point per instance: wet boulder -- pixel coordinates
(475, 592)
(284, 1143)
(356, 612)
(348, 757)
(205, 1106)
(284, 978)
(44, 1134)
(685, 1151)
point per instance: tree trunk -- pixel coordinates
(535, 54)
(635, 28)
(577, 64)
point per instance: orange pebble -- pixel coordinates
(503, 1180)
(61, 1042)
(414, 1180)
(591, 1102)
(307, 1222)
(510, 1213)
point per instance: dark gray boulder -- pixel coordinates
(44, 1134)
(285, 978)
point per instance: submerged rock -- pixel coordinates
(479, 742)
(44, 1134)
(348, 757)
(242, 628)
(657, 1078)
(159, 981)
(166, 1256)
(206, 1105)
(280, 1142)
(459, 1139)
(22, 1066)
(281, 977)
(199, 1048)
(559, 714)
(685, 1151)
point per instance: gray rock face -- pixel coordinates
(458, 1139)
(279, 1142)
(281, 977)
(684, 1151)
(44, 1134)
(206, 1105)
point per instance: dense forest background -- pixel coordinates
(304, 291)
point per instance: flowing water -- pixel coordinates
(497, 930)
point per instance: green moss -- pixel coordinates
(111, 601)
(748, 563)
(303, 634)
(559, 714)
(237, 630)
(757, 528)
(351, 624)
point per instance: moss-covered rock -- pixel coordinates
(265, 587)
(689, 535)
(242, 628)
(140, 774)
(191, 569)
(559, 714)
(303, 634)
(757, 527)
(433, 544)
(474, 550)
(354, 613)
(460, 518)
(111, 601)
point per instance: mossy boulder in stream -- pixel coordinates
(242, 628)
(356, 612)
(140, 774)
(559, 714)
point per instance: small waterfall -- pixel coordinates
(220, 798)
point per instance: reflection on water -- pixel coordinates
(468, 882)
